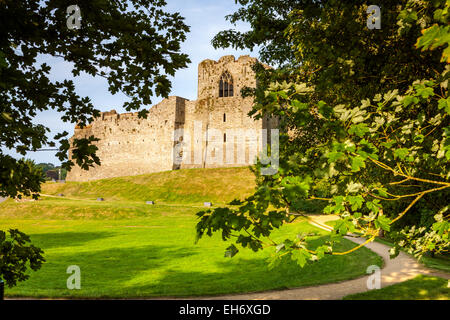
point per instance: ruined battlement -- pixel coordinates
(130, 145)
(157, 111)
(210, 72)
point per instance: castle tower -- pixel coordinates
(230, 136)
(211, 73)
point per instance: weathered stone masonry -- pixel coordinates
(131, 146)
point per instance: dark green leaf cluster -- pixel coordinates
(365, 121)
(16, 256)
(134, 45)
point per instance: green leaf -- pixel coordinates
(321, 250)
(334, 156)
(359, 129)
(407, 100)
(383, 222)
(282, 94)
(425, 92)
(358, 163)
(373, 206)
(401, 153)
(298, 106)
(355, 201)
(433, 37)
(388, 144)
(300, 256)
(382, 191)
(441, 227)
(342, 226)
(444, 104)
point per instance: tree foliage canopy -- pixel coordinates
(16, 255)
(134, 45)
(365, 115)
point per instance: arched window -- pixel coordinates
(226, 85)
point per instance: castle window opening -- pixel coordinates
(224, 117)
(226, 85)
(224, 137)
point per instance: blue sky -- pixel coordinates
(205, 17)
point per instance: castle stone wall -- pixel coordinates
(175, 134)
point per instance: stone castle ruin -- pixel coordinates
(212, 131)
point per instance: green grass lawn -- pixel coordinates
(127, 249)
(419, 288)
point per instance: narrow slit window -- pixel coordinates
(226, 85)
(224, 117)
(224, 137)
(221, 88)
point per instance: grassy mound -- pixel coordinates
(188, 186)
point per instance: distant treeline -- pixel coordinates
(51, 172)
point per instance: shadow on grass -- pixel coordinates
(168, 271)
(104, 273)
(66, 239)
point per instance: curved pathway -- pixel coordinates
(400, 269)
